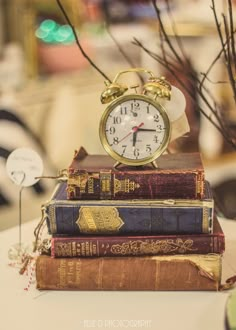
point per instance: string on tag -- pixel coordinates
(61, 177)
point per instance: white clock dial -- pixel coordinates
(136, 128)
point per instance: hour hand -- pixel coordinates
(134, 138)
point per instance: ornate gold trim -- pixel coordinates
(99, 219)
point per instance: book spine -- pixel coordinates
(110, 246)
(76, 219)
(201, 272)
(135, 185)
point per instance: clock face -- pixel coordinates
(135, 130)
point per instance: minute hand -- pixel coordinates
(146, 130)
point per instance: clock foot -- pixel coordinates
(154, 164)
(117, 164)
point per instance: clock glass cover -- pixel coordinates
(135, 129)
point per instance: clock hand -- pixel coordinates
(134, 129)
(134, 138)
(146, 130)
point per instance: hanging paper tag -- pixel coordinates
(175, 109)
(23, 166)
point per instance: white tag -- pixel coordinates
(175, 108)
(23, 166)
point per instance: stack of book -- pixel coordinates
(132, 228)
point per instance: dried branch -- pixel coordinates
(232, 31)
(162, 28)
(229, 61)
(225, 48)
(121, 50)
(176, 36)
(218, 56)
(178, 63)
(78, 42)
(216, 121)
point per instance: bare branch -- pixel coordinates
(218, 27)
(229, 62)
(177, 38)
(171, 68)
(121, 50)
(78, 42)
(211, 81)
(214, 61)
(231, 23)
(166, 37)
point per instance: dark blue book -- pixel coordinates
(121, 217)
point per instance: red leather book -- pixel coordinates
(94, 177)
(96, 246)
(177, 272)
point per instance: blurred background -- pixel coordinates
(50, 94)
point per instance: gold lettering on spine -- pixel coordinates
(62, 274)
(90, 185)
(105, 184)
(70, 272)
(83, 181)
(99, 219)
(77, 271)
(89, 216)
(52, 218)
(206, 220)
(200, 184)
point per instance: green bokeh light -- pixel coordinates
(51, 32)
(48, 25)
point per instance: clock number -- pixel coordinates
(156, 118)
(134, 108)
(160, 128)
(115, 140)
(116, 120)
(155, 139)
(112, 130)
(148, 148)
(123, 111)
(136, 152)
(124, 148)
(148, 108)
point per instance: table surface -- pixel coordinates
(61, 310)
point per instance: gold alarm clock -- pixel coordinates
(134, 128)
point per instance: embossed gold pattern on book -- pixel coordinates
(124, 185)
(95, 219)
(153, 247)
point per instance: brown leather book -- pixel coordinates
(169, 273)
(94, 177)
(111, 246)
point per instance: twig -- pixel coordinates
(214, 61)
(166, 38)
(121, 50)
(218, 125)
(177, 38)
(229, 62)
(78, 42)
(211, 81)
(231, 24)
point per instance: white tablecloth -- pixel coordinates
(62, 310)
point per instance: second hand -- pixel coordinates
(134, 129)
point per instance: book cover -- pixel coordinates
(94, 177)
(178, 272)
(106, 217)
(111, 246)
